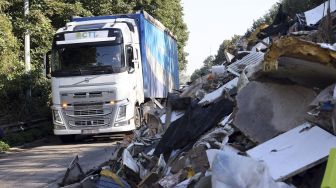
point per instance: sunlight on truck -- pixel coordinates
(103, 68)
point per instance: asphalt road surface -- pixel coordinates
(44, 164)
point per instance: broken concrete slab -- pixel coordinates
(266, 110)
(218, 93)
(299, 149)
(304, 72)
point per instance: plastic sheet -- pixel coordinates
(129, 161)
(196, 121)
(232, 170)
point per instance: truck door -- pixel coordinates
(133, 59)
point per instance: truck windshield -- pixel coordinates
(88, 59)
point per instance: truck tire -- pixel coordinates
(137, 117)
(67, 138)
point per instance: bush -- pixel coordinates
(20, 138)
(15, 105)
(3, 146)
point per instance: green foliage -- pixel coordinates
(207, 63)
(106, 7)
(4, 146)
(227, 45)
(9, 62)
(296, 6)
(199, 73)
(291, 7)
(14, 103)
(20, 138)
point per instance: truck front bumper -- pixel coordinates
(94, 131)
(70, 120)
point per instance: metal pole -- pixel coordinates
(27, 38)
(27, 52)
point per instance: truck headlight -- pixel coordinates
(57, 117)
(122, 112)
(122, 123)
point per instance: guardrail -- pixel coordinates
(22, 126)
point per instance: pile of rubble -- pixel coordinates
(265, 118)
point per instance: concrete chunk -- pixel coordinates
(266, 110)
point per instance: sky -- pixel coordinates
(210, 22)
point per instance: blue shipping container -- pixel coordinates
(159, 54)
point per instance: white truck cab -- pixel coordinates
(97, 76)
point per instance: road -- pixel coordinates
(45, 165)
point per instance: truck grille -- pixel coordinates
(89, 115)
(89, 123)
(85, 110)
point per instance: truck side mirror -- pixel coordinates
(130, 56)
(47, 67)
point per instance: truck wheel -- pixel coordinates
(67, 138)
(137, 117)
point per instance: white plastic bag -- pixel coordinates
(232, 170)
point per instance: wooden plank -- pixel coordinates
(294, 151)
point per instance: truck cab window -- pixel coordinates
(89, 57)
(130, 56)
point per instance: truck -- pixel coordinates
(104, 68)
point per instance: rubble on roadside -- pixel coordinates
(266, 119)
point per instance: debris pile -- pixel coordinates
(265, 119)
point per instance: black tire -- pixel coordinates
(137, 117)
(67, 138)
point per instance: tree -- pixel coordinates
(207, 63)
(291, 7)
(9, 61)
(227, 45)
(199, 73)
(48, 15)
